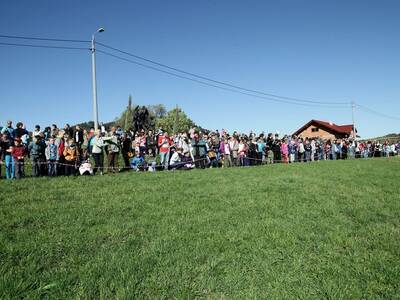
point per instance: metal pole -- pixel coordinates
(95, 114)
(353, 106)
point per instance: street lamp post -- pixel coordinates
(94, 84)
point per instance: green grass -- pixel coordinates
(324, 230)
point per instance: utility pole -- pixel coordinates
(94, 84)
(128, 113)
(176, 119)
(353, 107)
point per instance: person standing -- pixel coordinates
(68, 130)
(18, 152)
(51, 157)
(78, 137)
(37, 131)
(243, 150)
(292, 147)
(225, 151)
(164, 144)
(60, 142)
(199, 151)
(308, 149)
(36, 150)
(126, 150)
(260, 150)
(284, 151)
(268, 149)
(6, 146)
(301, 150)
(313, 150)
(151, 143)
(97, 151)
(276, 149)
(113, 151)
(54, 130)
(252, 157)
(142, 140)
(234, 149)
(20, 131)
(9, 131)
(71, 155)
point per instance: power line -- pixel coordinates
(291, 99)
(366, 109)
(43, 46)
(233, 88)
(42, 39)
(221, 82)
(206, 83)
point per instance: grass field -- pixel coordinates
(324, 230)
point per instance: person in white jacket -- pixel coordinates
(97, 151)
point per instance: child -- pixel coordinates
(138, 162)
(71, 155)
(18, 152)
(269, 153)
(86, 168)
(52, 157)
(150, 160)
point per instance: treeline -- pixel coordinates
(149, 117)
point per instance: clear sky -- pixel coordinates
(321, 50)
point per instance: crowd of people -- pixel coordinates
(70, 150)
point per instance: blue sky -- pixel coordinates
(321, 50)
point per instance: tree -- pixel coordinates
(125, 119)
(142, 119)
(151, 117)
(129, 113)
(175, 121)
(158, 110)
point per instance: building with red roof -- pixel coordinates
(324, 130)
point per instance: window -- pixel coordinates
(314, 129)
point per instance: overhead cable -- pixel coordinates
(42, 39)
(221, 82)
(43, 46)
(206, 83)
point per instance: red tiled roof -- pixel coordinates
(344, 129)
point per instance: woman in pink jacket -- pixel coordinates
(284, 151)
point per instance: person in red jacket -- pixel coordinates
(18, 152)
(164, 144)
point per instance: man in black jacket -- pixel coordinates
(78, 137)
(20, 130)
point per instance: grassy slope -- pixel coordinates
(323, 230)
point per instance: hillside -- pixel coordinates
(391, 138)
(326, 230)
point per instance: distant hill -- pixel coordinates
(391, 137)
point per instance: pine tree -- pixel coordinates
(128, 114)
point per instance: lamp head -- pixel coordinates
(101, 29)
